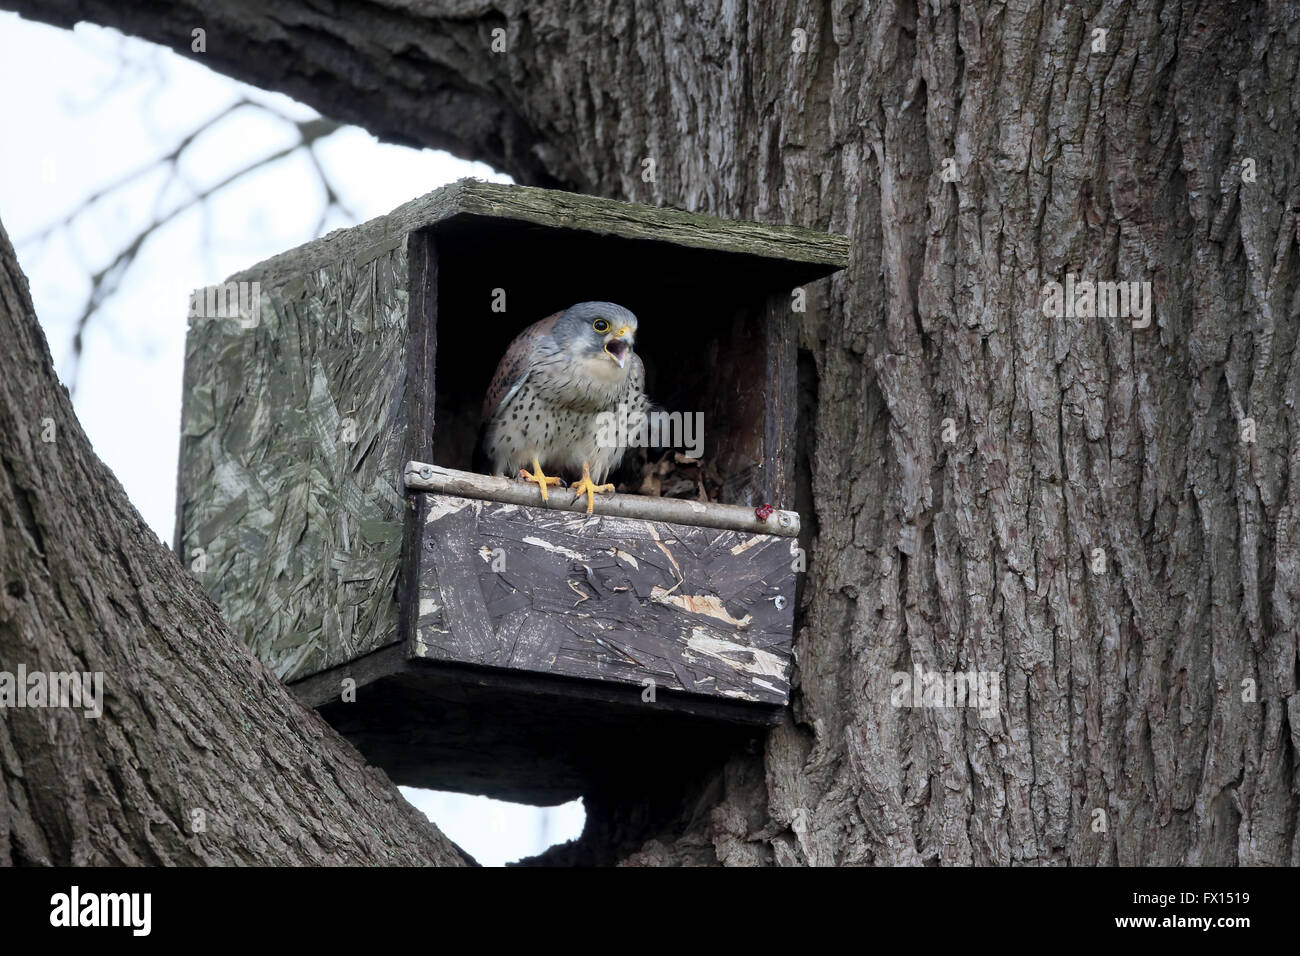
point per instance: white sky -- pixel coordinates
(83, 109)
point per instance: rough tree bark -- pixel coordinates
(1094, 529)
(200, 755)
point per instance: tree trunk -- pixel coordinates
(1101, 515)
(199, 755)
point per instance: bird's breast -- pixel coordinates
(591, 384)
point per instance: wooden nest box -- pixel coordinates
(461, 636)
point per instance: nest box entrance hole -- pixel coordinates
(713, 337)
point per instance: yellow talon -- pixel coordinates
(589, 488)
(538, 478)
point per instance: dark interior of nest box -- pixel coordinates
(702, 331)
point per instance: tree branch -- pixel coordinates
(397, 69)
(200, 756)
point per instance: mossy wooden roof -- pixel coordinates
(788, 255)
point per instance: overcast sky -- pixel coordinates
(83, 109)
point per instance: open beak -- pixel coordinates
(619, 347)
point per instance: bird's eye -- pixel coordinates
(601, 326)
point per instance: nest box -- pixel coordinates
(461, 635)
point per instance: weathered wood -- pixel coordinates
(293, 434)
(424, 477)
(528, 737)
(701, 610)
(781, 345)
(421, 379)
(788, 249)
(733, 353)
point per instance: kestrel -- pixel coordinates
(556, 396)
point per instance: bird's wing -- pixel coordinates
(634, 394)
(515, 365)
(636, 374)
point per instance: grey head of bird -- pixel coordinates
(598, 337)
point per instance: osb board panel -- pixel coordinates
(290, 466)
(693, 609)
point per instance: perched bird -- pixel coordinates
(559, 388)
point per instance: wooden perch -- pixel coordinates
(466, 484)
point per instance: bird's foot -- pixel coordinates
(538, 478)
(589, 488)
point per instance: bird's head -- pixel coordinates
(600, 333)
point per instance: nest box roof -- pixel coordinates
(773, 256)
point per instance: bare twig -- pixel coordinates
(106, 281)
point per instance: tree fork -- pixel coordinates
(201, 756)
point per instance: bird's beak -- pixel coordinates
(619, 346)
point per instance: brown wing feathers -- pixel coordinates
(515, 363)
